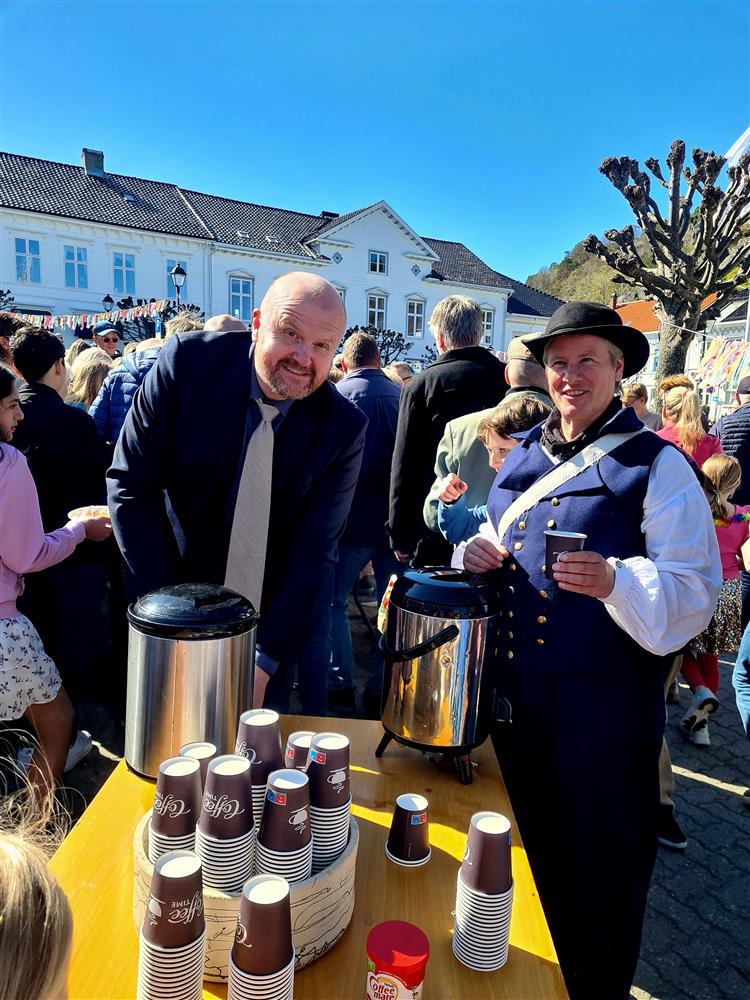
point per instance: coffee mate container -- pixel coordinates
(397, 954)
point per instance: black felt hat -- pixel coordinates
(599, 321)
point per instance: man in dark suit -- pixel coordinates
(465, 378)
(185, 440)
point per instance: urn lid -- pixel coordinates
(193, 611)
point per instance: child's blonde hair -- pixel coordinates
(87, 375)
(36, 924)
(683, 409)
(723, 474)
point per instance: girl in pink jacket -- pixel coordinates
(30, 686)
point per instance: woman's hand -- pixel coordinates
(97, 529)
(482, 556)
(584, 573)
(451, 488)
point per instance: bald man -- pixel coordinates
(224, 323)
(175, 478)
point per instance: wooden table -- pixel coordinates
(95, 867)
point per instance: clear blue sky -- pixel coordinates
(478, 122)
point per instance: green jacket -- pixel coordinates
(461, 451)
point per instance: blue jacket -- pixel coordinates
(116, 395)
(377, 397)
(459, 523)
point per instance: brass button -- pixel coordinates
(551, 524)
(540, 642)
(544, 567)
(522, 525)
(511, 590)
(542, 593)
(555, 502)
(517, 546)
(542, 620)
(508, 614)
(512, 566)
(510, 635)
(509, 654)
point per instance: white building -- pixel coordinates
(69, 236)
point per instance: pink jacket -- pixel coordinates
(24, 547)
(731, 537)
(704, 449)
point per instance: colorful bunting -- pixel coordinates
(89, 320)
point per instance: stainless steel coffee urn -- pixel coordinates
(438, 685)
(191, 658)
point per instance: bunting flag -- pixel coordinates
(725, 362)
(89, 320)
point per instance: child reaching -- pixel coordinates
(700, 665)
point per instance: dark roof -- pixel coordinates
(65, 190)
(274, 229)
(740, 313)
(61, 189)
(458, 263)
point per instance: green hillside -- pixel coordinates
(581, 275)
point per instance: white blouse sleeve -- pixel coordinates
(486, 530)
(667, 598)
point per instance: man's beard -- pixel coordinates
(277, 379)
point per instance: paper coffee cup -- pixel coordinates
(556, 542)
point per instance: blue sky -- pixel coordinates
(478, 122)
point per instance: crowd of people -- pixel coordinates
(275, 465)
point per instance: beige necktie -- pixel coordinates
(246, 560)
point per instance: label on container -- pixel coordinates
(278, 798)
(386, 986)
(417, 819)
(317, 755)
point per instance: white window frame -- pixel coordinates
(488, 330)
(239, 276)
(169, 263)
(378, 294)
(377, 258)
(29, 259)
(77, 263)
(341, 290)
(126, 269)
(413, 301)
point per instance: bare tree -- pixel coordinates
(391, 343)
(696, 250)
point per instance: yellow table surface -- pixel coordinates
(95, 867)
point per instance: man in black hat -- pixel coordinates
(594, 634)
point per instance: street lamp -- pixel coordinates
(108, 302)
(178, 279)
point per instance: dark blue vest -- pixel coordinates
(546, 628)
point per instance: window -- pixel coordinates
(241, 298)
(171, 290)
(378, 262)
(342, 292)
(488, 316)
(415, 318)
(28, 260)
(76, 267)
(124, 273)
(376, 311)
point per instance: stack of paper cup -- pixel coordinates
(408, 842)
(173, 935)
(259, 739)
(261, 965)
(330, 799)
(297, 747)
(204, 753)
(225, 835)
(285, 843)
(484, 895)
(176, 807)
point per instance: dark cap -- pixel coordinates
(104, 327)
(744, 387)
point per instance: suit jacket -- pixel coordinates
(460, 381)
(461, 451)
(175, 469)
(377, 397)
(67, 459)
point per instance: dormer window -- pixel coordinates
(378, 262)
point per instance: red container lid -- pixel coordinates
(399, 949)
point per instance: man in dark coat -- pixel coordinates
(68, 461)
(178, 466)
(465, 378)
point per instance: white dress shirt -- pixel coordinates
(666, 598)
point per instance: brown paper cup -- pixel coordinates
(328, 770)
(178, 797)
(204, 753)
(259, 739)
(297, 746)
(174, 914)
(486, 866)
(263, 942)
(227, 809)
(285, 825)
(409, 839)
(556, 542)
